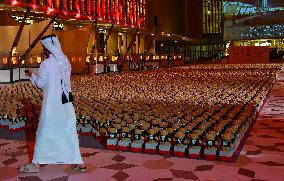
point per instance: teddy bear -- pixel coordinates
(180, 144)
(112, 138)
(125, 141)
(137, 141)
(151, 144)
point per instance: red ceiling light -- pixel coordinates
(78, 15)
(133, 17)
(14, 2)
(34, 6)
(49, 10)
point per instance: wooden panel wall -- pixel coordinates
(248, 54)
(74, 44)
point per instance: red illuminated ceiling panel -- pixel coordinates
(121, 12)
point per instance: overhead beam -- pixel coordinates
(107, 37)
(18, 36)
(95, 28)
(151, 43)
(177, 50)
(132, 41)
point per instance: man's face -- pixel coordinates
(45, 52)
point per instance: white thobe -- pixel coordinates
(56, 137)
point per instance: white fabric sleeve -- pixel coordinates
(40, 79)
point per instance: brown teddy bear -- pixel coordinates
(125, 133)
(210, 138)
(164, 137)
(226, 141)
(179, 137)
(152, 135)
(194, 137)
(112, 132)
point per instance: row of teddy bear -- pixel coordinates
(186, 105)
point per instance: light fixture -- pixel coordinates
(5, 60)
(14, 51)
(14, 2)
(49, 10)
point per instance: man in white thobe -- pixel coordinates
(56, 137)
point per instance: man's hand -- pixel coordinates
(28, 72)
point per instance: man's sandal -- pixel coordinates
(79, 168)
(29, 168)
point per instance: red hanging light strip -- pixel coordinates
(77, 8)
(64, 5)
(89, 2)
(103, 6)
(113, 7)
(107, 17)
(132, 13)
(110, 10)
(135, 12)
(33, 1)
(49, 4)
(116, 11)
(57, 4)
(33, 4)
(99, 9)
(92, 5)
(124, 12)
(120, 11)
(82, 7)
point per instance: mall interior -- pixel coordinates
(164, 90)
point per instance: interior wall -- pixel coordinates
(74, 44)
(125, 41)
(112, 42)
(149, 43)
(29, 33)
(6, 20)
(170, 16)
(193, 19)
(183, 17)
(141, 45)
(129, 38)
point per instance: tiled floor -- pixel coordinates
(262, 157)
